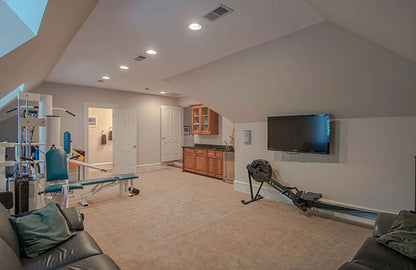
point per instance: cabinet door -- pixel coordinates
(219, 164)
(189, 159)
(196, 120)
(204, 120)
(212, 164)
(201, 161)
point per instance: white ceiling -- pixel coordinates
(118, 31)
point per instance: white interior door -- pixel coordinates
(171, 132)
(124, 141)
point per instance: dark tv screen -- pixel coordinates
(299, 133)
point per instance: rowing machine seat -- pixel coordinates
(311, 196)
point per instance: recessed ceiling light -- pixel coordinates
(195, 26)
(162, 92)
(151, 52)
(105, 77)
(124, 67)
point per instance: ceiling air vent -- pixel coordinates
(140, 58)
(100, 80)
(218, 12)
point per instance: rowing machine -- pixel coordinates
(261, 171)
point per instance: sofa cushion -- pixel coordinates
(353, 266)
(75, 218)
(80, 246)
(41, 230)
(6, 230)
(383, 223)
(402, 235)
(377, 256)
(8, 258)
(102, 262)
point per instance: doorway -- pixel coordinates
(100, 135)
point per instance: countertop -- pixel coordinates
(225, 148)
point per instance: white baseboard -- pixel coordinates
(272, 194)
(151, 167)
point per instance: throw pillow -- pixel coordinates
(71, 227)
(41, 230)
(402, 235)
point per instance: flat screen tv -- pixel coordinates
(299, 133)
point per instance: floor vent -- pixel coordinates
(140, 58)
(217, 13)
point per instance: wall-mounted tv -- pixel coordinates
(299, 133)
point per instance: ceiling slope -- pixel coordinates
(323, 68)
(32, 62)
(389, 23)
(119, 31)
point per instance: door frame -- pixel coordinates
(85, 125)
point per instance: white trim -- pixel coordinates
(151, 167)
(272, 194)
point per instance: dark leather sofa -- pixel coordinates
(375, 256)
(79, 252)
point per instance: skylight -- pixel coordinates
(19, 22)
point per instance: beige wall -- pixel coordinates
(373, 163)
(100, 153)
(147, 107)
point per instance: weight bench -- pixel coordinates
(57, 171)
(101, 183)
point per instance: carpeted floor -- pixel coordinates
(186, 221)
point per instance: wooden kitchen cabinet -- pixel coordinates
(212, 163)
(202, 161)
(203, 120)
(219, 165)
(189, 158)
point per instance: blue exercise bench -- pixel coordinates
(100, 183)
(57, 172)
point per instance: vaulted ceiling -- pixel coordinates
(119, 31)
(353, 58)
